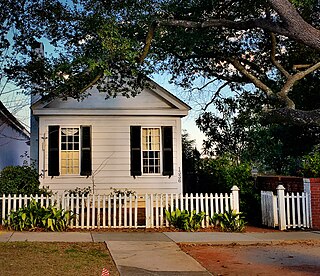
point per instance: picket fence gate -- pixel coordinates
(132, 211)
(286, 210)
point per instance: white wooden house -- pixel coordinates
(14, 139)
(122, 143)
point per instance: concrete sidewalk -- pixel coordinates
(147, 253)
(177, 237)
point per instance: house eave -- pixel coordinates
(13, 121)
(108, 112)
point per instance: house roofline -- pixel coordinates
(42, 101)
(12, 120)
(169, 94)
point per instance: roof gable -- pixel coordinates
(153, 100)
(9, 119)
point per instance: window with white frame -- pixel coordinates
(70, 150)
(151, 150)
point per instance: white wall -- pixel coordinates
(12, 146)
(111, 154)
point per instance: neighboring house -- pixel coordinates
(14, 139)
(123, 143)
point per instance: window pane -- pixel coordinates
(70, 151)
(151, 150)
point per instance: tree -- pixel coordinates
(190, 164)
(237, 129)
(239, 42)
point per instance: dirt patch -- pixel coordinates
(286, 259)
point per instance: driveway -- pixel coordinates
(301, 258)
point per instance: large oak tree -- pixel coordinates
(271, 44)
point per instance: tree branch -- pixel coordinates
(301, 66)
(283, 94)
(216, 94)
(273, 57)
(291, 27)
(204, 86)
(147, 45)
(258, 83)
(293, 116)
(93, 82)
(298, 28)
(237, 25)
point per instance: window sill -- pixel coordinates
(71, 176)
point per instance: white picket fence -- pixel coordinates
(133, 211)
(286, 210)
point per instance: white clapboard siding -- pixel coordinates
(125, 211)
(111, 155)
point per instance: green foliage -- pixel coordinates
(123, 193)
(220, 174)
(230, 221)
(35, 216)
(190, 163)
(239, 130)
(19, 180)
(185, 220)
(79, 191)
(311, 165)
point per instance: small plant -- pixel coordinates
(230, 221)
(46, 191)
(79, 191)
(122, 192)
(185, 220)
(35, 216)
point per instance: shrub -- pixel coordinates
(230, 221)
(78, 191)
(19, 180)
(311, 165)
(185, 220)
(123, 193)
(35, 216)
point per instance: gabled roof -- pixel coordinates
(9, 119)
(153, 100)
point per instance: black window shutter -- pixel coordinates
(167, 151)
(53, 155)
(135, 150)
(86, 159)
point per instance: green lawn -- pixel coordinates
(39, 258)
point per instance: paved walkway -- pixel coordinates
(147, 253)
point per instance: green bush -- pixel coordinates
(230, 221)
(311, 165)
(185, 220)
(19, 180)
(79, 192)
(35, 216)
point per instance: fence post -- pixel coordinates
(235, 199)
(281, 207)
